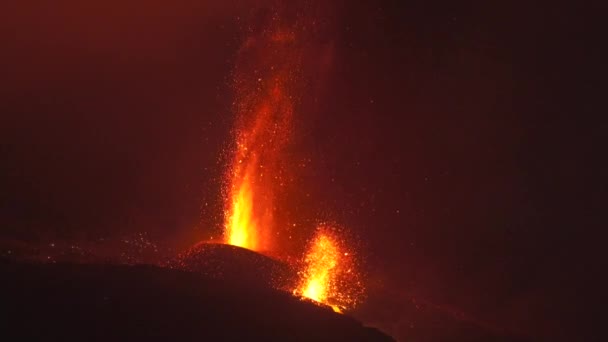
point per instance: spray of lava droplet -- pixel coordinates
(329, 274)
(265, 76)
(267, 84)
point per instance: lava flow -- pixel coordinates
(329, 275)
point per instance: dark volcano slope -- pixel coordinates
(115, 302)
(235, 264)
(408, 319)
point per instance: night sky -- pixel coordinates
(460, 144)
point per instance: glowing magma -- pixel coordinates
(328, 275)
(265, 77)
(267, 83)
(241, 226)
(320, 260)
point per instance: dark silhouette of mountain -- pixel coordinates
(235, 264)
(403, 317)
(410, 319)
(210, 291)
(118, 302)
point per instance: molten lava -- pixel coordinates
(329, 274)
(264, 79)
(321, 260)
(241, 227)
(267, 82)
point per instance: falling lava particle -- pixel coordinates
(329, 274)
(265, 79)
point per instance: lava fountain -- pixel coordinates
(329, 275)
(265, 77)
(268, 82)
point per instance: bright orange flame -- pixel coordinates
(321, 260)
(329, 275)
(241, 226)
(266, 83)
(265, 75)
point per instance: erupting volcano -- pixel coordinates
(268, 83)
(264, 78)
(329, 275)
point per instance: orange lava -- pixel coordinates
(329, 275)
(267, 82)
(264, 79)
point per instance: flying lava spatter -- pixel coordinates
(264, 79)
(267, 81)
(329, 274)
